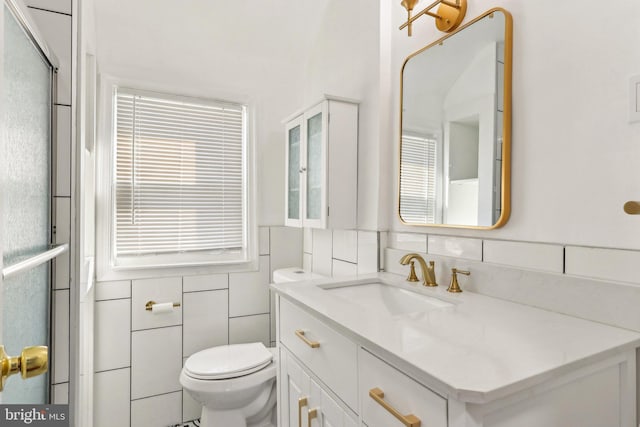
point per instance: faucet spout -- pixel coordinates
(428, 272)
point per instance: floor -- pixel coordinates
(192, 423)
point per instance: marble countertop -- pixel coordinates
(477, 349)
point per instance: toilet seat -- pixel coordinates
(230, 361)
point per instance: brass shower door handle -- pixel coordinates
(32, 362)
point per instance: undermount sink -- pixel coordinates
(387, 299)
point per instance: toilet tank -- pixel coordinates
(293, 274)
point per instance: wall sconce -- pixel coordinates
(450, 14)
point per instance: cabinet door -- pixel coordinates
(325, 411)
(315, 166)
(295, 395)
(295, 177)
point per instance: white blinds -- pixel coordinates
(179, 175)
(418, 179)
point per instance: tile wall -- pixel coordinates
(54, 21)
(139, 355)
(341, 252)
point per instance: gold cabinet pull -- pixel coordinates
(307, 341)
(632, 207)
(408, 420)
(302, 402)
(32, 361)
(313, 414)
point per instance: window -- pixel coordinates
(179, 189)
(418, 187)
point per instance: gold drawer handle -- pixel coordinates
(302, 402)
(307, 341)
(313, 414)
(408, 420)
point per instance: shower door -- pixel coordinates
(25, 203)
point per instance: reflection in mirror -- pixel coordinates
(455, 127)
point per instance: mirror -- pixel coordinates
(455, 125)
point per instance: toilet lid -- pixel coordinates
(228, 361)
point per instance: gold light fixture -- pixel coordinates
(449, 15)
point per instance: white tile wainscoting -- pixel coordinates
(131, 386)
(139, 355)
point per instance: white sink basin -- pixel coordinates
(388, 300)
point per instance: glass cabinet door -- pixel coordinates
(293, 196)
(315, 158)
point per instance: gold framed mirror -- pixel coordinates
(455, 127)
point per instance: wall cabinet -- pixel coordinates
(328, 377)
(322, 166)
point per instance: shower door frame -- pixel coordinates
(21, 14)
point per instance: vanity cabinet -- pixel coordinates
(337, 363)
(331, 376)
(322, 166)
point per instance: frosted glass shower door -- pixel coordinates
(25, 194)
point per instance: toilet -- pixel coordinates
(294, 274)
(235, 384)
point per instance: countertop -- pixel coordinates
(476, 350)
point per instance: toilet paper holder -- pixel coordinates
(149, 305)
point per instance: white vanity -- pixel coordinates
(380, 352)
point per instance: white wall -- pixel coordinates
(575, 155)
(345, 61)
(251, 52)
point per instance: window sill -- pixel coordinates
(109, 273)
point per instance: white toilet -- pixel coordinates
(235, 384)
(294, 274)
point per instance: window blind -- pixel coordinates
(418, 179)
(179, 175)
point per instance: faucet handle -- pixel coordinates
(412, 273)
(454, 286)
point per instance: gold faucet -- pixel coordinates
(454, 286)
(428, 272)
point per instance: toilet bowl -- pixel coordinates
(235, 384)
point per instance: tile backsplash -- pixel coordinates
(591, 283)
(341, 252)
